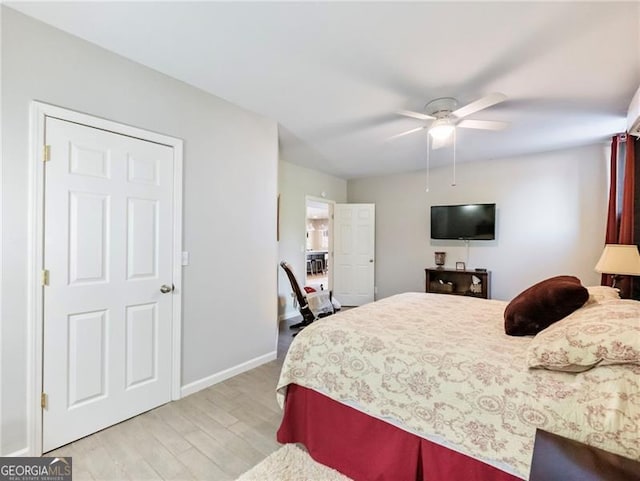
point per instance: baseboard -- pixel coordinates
(20, 453)
(288, 315)
(208, 381)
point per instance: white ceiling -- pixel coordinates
(333, 74)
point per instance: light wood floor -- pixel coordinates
(215, 434)
(317, 279)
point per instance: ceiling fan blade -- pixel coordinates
(483, 124)
(415, 115)
(407, 132)
(481, 103)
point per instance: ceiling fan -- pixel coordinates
(446, 116)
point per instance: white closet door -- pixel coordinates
(108, 228)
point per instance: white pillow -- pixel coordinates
(602, 294)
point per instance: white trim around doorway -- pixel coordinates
(39, 112)
(331, 205)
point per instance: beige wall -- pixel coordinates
(551, 212)
(295, 183)
(230, 191)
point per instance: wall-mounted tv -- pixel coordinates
(468, 222)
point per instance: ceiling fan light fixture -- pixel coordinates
(441, 129)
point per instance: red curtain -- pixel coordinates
(620, 219)
(626, 215)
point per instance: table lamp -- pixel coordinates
(619, 260)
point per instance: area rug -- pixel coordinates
(290, 463)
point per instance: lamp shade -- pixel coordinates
(619, 259)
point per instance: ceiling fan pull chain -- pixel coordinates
(454, 159)
(428, 142)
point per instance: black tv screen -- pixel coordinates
(469, 221)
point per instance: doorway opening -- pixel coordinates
(319, 243)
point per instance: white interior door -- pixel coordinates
(108, 235)
(354, 249)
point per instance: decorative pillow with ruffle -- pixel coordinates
(596, 335)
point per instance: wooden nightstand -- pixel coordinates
(556, 458)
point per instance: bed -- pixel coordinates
(429, 387)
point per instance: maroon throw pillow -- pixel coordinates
(542, 304)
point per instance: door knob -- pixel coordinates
(165, 288)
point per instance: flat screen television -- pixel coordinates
(468, 222)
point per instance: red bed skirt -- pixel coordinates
(368, 449)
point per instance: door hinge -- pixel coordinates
(45, 277)
(46, 153)
(44, 400)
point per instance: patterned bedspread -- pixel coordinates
(441, 367)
